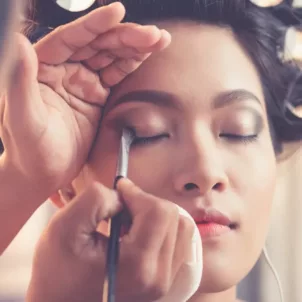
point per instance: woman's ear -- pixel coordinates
(63, 196)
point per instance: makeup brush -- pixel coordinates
(115, 222)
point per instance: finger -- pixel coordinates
(129, 35)
(79, 83)
(72, 231)
(150, 215)
(69, 38)
(76, 226)
(123, 35)
(134, 197)
(119, 69)
(163, 43)
(132, 51)
(87, 210)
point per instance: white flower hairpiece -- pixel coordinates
(271, 3)
(266, 3)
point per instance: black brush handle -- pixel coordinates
(113, 251)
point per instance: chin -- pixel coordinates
(210, 286)
(220, 275)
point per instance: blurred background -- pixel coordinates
(284, 244)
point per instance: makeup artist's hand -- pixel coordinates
(70, 259)
(50, 114)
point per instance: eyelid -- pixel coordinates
(245, 122)
(145, 122)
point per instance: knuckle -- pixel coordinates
(103, 202)
(160, 209)
(166, 210)
(96, 189)
(93, 196)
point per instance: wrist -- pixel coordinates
(16, 189)
(17, 203)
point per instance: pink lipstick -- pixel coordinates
(213, 224)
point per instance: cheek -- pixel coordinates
(261, 190)
(257, 188)
(151, 168)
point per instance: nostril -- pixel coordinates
(218, 187)
(190, 186)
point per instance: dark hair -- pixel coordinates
(260, 31)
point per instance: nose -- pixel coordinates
(200, 168)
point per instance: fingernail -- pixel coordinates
(117, 180)
(123, 182)
(114, 3)
(165, 33)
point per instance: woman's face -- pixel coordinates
(204, 142)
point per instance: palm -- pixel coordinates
(67, 119)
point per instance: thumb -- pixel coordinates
(82, 216)
(136, 200)
(23, 100)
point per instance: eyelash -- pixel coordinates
(148, 140)
(240, 138)
(145, 140)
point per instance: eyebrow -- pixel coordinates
(166, 99)
(228, 97)
(156, 97)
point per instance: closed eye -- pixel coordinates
(240, 138)
(140, 140)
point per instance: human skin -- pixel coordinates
(204, 153)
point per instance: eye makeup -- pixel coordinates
(245, 125)
(241, 123)
(143, 123)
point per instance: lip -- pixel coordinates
(212, 223)
(211, 230)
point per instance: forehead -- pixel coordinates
(201, 59)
